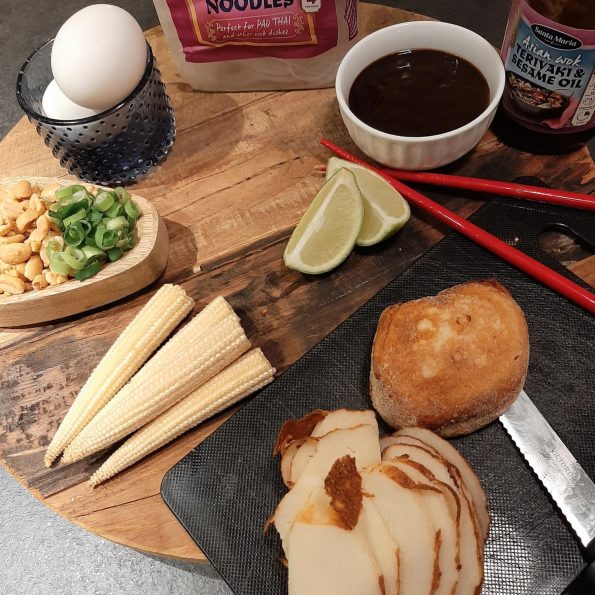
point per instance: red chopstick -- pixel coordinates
(519, 259)
(557, 197)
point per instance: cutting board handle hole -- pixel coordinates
(565, 245)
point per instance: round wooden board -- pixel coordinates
(239, 176)
(135, 270)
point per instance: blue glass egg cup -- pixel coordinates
(114, 147)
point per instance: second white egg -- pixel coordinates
(57, 106)
(99, 56)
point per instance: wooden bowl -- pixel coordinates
(136, 269)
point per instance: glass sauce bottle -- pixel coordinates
(549, 56)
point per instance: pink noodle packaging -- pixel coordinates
(250, 45)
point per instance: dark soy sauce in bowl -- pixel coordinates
(419, 92)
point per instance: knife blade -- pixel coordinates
(561, 475)
(559, 472)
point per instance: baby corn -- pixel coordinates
(156, 320)
(207, 319)
(175, 370)
(251, 372)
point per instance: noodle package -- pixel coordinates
(258, 45)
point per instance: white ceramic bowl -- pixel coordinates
(421, 152)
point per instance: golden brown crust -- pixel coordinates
(343, 485)
(437, 572)
(297, 429)
(451, 362)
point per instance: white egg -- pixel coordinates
(57, 106)
(99, 56)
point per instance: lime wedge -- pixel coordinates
(385, 210)
(326, 233)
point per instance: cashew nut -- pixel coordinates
(25, 219)
(55, 279)
(15, 271)
(35, 246)
(41, 229)
(39, 282)
(49, 192)
(54, 226)
(14, 239)
(91, 189)
(43, 254)
(11, 285)
(11, 209)
(22, 189)
(15, 253)
(33, 267)
(5, 229)
(36, 204)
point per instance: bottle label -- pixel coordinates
(278, 28)
(550, 81)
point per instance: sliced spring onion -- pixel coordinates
(81, 195)
(92, 253)
(90, 241)
(58, 265)
(67, 210)
(113, 211)
(91, 269)
(105, 238)
(74, 258)
(68, 190)
(78, 216)
(75, 235)
(126, 242)
(122, 194)
(94, 217)
(95, 229)
(104, 200)
(114, 254)
(86, 225)
(54, 245)
(81, 199)
(117, 224)
(64, 202)
(132, 210)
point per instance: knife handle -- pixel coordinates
(584, 583)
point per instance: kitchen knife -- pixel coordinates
(562, 476)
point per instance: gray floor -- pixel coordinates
(45, 554)
(40, 552)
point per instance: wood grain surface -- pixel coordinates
(239, 176)
(134, 271)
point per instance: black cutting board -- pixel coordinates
(224, 490)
